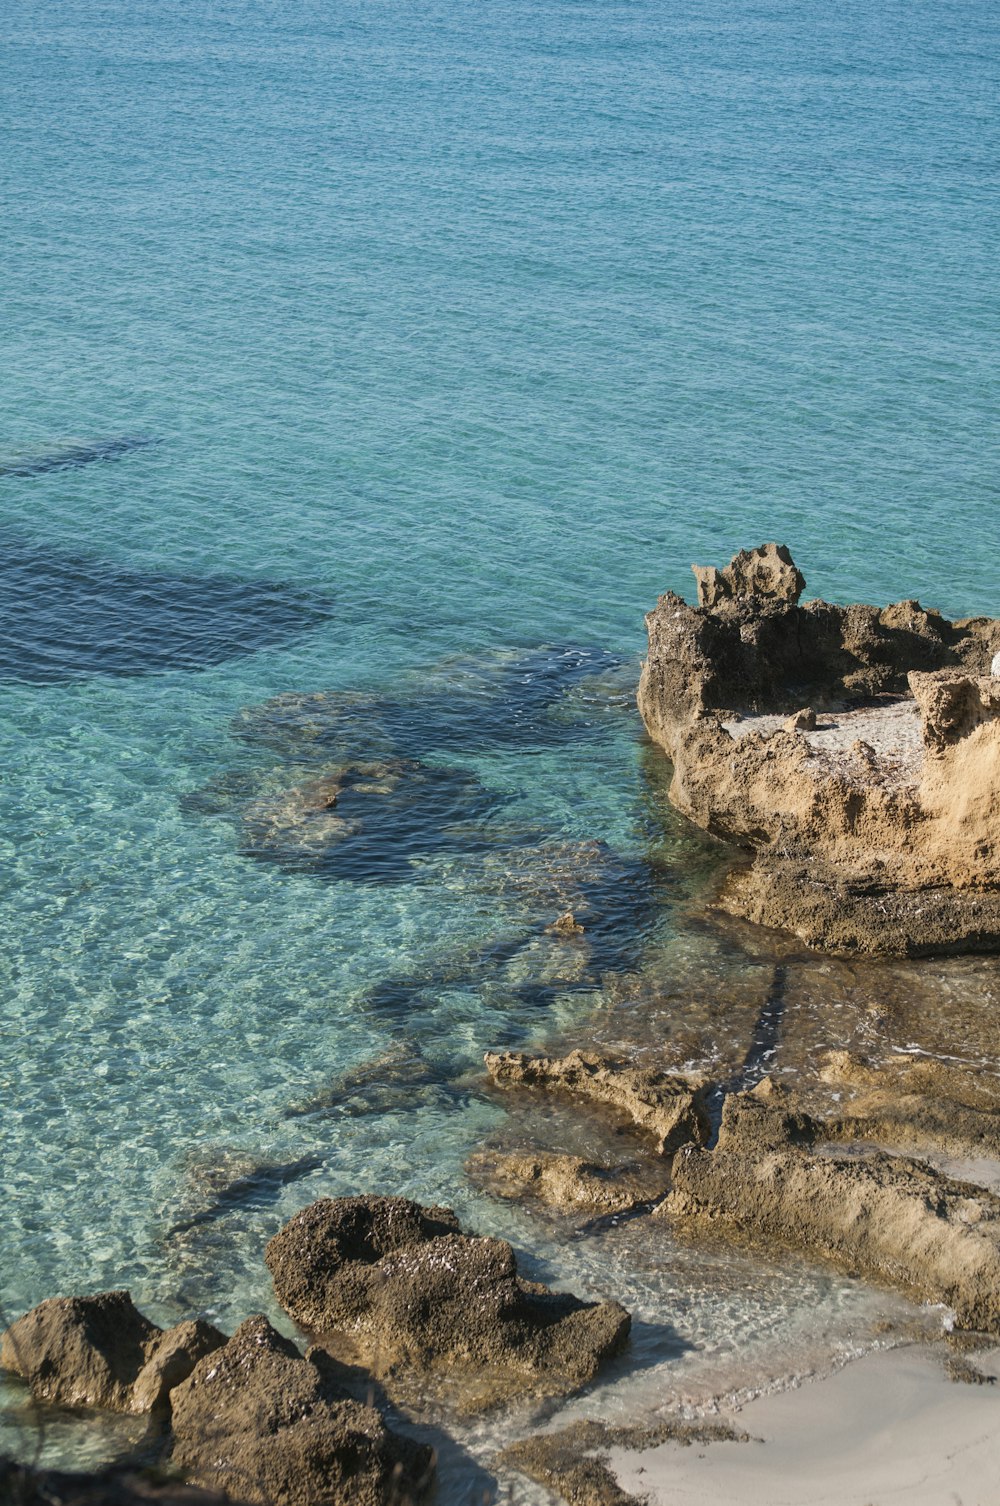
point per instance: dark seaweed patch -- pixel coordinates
(67, 457)
(65, 616)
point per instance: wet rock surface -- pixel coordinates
(669, 1106)
(569, 1183)
(875, 830)
(102, 1352)
(413, 1295)
(771, 1182)
(259, 1420)
(21, 1485)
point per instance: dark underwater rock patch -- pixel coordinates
(26, 1486)
(66, 616)
(509, 699)
(368, 821)
(222, 1182)
(71, 456)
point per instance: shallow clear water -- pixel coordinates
(406, 353)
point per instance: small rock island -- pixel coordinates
(853, 751)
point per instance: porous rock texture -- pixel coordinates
(569, 1183)
(670, 1106)
(918, 1104)
(878, 829)
(417, 1295)
(101, 1351)
(768, 1181)
(271, 1427)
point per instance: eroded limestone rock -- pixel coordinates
(568, 1183)
(887, 1218)
(893, 794)
(416, 1294)
(917, 1104)
(101, 1351)
(259, 1421)
(670, 1106)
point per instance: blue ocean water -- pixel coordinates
(404, 353)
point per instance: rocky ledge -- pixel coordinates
(853, 751)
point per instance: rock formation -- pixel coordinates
(669, 1106)
(881, 1216)
(101, 1351)
(568, 1183)
(853, 751)
(258, 1420)
(414, 1294)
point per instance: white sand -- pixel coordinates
(891, 729)
(888, 1430)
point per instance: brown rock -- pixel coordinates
(667, 1105)
(171, 1361)
(566, 925)
(802, 721)
(922, 1104)
(767, 574)
(414, 1293)
(81, 1351)
(893, 798)
(880, 1216)
(568, 1183)
(258, 1420)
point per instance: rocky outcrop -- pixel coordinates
(769, 1182)
(569, 1183)
(415, 1294)
(855, 748)
(101, 1351)
(669, 1106)
(259, 1421)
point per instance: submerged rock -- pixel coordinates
(880, 1216)
(273, 1428)
(101, 1351)
(568, 1183)
(22, 1485)
(878, 828)
(415, 1294)
(670, 1106)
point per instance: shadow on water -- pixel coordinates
(66, 616)
(70, 456)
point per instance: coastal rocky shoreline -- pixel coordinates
(394, 1298)
(853, 754)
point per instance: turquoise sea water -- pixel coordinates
(406, 352)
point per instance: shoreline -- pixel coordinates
(888, 1427)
